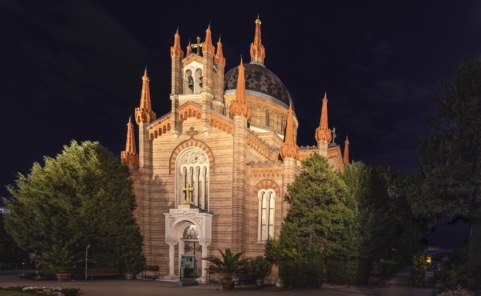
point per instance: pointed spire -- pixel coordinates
(144, 113)
(145, 95)
(323, 133)
(289, 148)
(258, 52)
(239, 105)
(207, 45)
(289, 138)
(241, 84)
(189, 49)
(324, 122)
(219, 54)
(130, 147)
(175, 50)
(346, 151)
(129, 156)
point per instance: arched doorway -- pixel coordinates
(192, 247)
(188, 232)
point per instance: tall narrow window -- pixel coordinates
(266, 198)
(188, 82)
(199, 80)
(192, 177)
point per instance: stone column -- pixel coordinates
(205, 253)
(171, 244)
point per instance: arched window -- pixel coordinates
(192, 177)
(198, 80)
(266, 199)
(188, 82)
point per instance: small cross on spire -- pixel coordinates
(334, 136)
(197, 45)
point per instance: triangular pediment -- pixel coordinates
(189, 109)
(191, 59)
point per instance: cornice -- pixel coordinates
(265, 170)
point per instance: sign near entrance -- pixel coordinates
(187, 267)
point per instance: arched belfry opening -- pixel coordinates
(193, 80)
(198, 80)
(188, 232)
(189, 82)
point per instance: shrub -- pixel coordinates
(419, 269)
(228, 264)
(303, 272)
(259, 267)
(450, 278)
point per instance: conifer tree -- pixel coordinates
(82, 196)
(317, 228)
(450, 157)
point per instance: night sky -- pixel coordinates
(72, 69)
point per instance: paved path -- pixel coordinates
(106, 287)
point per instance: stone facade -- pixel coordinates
(211, 173)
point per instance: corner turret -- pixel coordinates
(144, 113)
(129, 156)
(323, 133)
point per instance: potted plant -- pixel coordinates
(59, 260)
(259, 268)
(228, 265)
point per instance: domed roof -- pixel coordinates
(259, 79)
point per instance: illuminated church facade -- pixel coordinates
(211, 173)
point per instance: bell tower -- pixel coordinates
(198, 77)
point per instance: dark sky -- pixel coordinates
(72, 69)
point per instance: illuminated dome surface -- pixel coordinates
(259, 79)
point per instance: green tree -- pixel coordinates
(9, 251)
(317, 227)
(356, 176)
(127, 242)
(450, 157)
(385, 225)
(82, 196)
(409, 231)
(418, 272)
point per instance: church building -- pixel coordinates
(211, 173)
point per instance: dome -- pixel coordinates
(260, 80)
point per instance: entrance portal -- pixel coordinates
(192, 247)
(190, 230)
